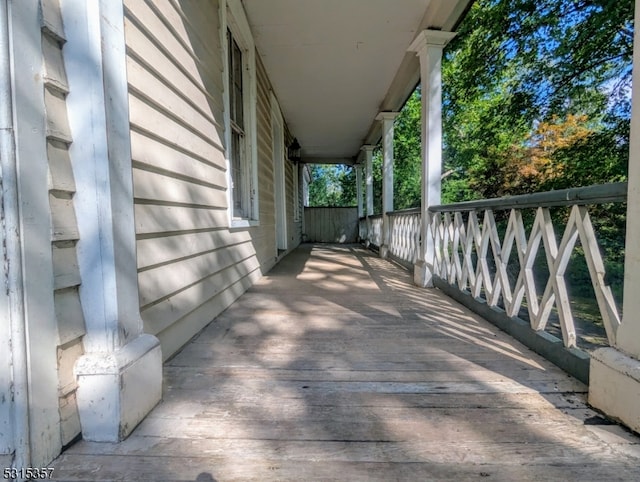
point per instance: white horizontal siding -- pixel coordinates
(191, 266)
(64, 225)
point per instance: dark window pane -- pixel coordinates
(236, 113)
(236, 174)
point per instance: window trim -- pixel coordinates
(234, 19)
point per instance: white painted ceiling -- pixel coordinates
(334, 63)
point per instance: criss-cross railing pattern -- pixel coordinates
(405, 234)
(471, 254)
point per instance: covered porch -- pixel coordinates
(335, 366)
(337, 363)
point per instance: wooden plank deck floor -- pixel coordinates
(335, 367)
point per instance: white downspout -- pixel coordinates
(13, 251)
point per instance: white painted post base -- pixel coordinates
(422, 275)
(384, 251)
(614, 386)
(117, 390)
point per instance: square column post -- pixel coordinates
(368, 179)
(368, 172)
(387, 119)
(428, 46)
(120, 374)
(359, 189)
(614, 385)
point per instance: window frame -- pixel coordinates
(234, 20)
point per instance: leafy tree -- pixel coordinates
(540, 161)
(407, 169)
(517, 65)
(536, 97)
(332, 185)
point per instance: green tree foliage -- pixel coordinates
(537, 97)
(517, 71)
(332, 185)
(519, 64)
(407, 169)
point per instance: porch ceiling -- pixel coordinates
(334, 64)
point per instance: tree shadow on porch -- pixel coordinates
(335, 367)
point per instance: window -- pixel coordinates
(240, 102)
(237, 154)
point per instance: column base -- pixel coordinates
(614, 386)
(117, 390)
(422, 275)
(384, 251)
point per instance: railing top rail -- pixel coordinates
(599, 194)
(400, 212)
(331, 207)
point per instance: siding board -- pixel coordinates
(187, 111)
(150, 185)
(142, 47)
(64, 226)
(156, 251)
(162, 315)
(64, 229)
(163, 157)
(66, 273)
(152, 26)
(176, 335)
(161, 282)
(152, 149)
(154, 118)
(191, 265)
(194, 42)
(155, 219)
(69, 315)
(62, 180)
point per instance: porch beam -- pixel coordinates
(428, 46)
(368, 169)
(387, 119)
(348, 161)
(120, 375)
(614, 385)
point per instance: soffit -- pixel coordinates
(335, 64)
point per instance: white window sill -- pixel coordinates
(244, 223)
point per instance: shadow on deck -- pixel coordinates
(336, 367)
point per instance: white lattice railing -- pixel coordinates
(363, 229)
(405, 234)
(374, 230)
(470, 253)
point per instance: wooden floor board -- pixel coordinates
(335, 366)
(126, 468)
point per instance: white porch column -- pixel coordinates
(614, 385)
(428, 46)
(368, 152)
(359, 189)
(120, 375)
(387, 119)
